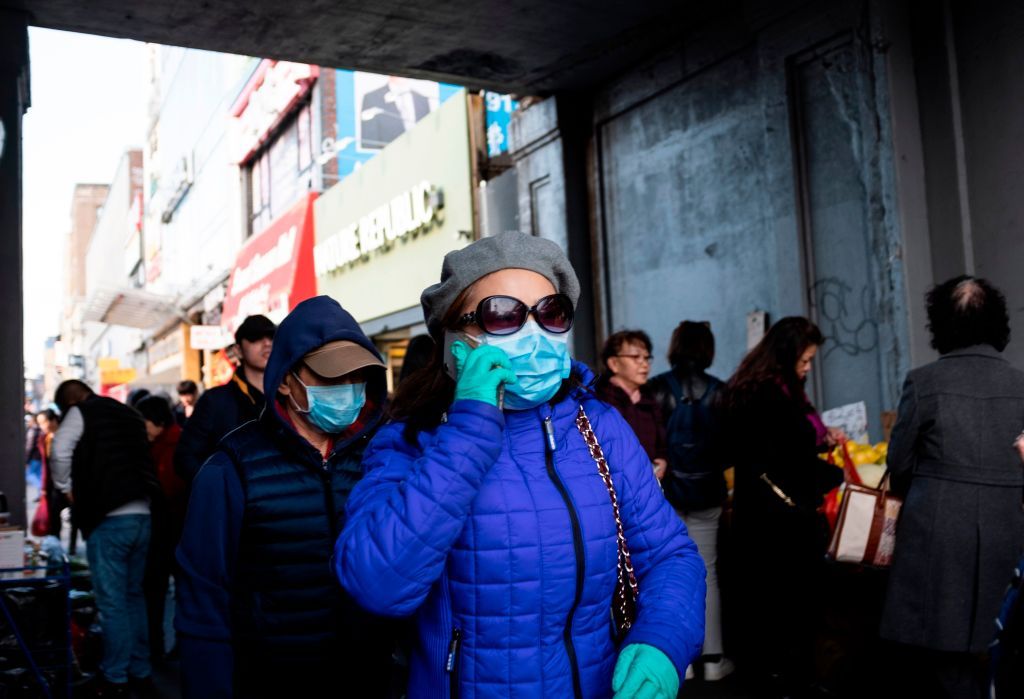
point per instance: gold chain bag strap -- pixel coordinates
(626, 590)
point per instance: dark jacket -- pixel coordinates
(259, 612)
(644, 416)
(111, 465)
(961, 529)
(782, 546)
(504, 548)
(179, 415)
(688, 402)
(217, 412)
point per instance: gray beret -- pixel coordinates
(510, 250)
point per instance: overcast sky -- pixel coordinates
(89, 98)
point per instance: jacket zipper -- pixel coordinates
(451, 666)
(577, 544)
(332, 516)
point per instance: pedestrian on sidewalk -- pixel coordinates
(55, 501)
(224, 408)
(953, 456)
(101, 463)
(259, 612)
(695, 483)
(487, 511)
(775, 437)
(188, 394)
(626, 356)
(163, 433)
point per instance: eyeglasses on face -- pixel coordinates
(638, 358)
(504, 315)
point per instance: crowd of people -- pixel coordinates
(510, 524)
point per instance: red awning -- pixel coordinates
(274, 269)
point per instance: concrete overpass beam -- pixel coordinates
(14, 101)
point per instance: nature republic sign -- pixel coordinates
(410, 213)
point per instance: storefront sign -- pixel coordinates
(208, 337)
(410, 212)
(275, 87)
(499, 110)
(108, 363)
(274, 269)
(113, 377)
(218, 369)
(262, 266)
(383, 231)
(166, 353)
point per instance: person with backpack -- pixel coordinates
(695, 484)
(627, 361)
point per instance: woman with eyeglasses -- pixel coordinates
(496, 506)
(627, 361)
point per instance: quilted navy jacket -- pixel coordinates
(505, 551)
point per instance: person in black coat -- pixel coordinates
(780, 538)
(188, 394)
(220, 410)
(953, 456)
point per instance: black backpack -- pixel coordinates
(694, 479)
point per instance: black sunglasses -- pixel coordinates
(504, 315)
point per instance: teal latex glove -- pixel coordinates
(644, 672)
(481, 372)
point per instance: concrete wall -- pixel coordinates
(989, 50)
(749, 168)
(548, 143)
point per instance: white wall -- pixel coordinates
(194, 92)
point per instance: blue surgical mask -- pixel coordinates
(540, 361)
(333, 409)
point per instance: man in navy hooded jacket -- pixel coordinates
(259, 612)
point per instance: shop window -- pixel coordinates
(280, 172)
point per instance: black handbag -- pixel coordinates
(624, 601)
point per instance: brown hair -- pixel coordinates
(424, 395)
(613, 345)
(774, 360)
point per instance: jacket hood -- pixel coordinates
(314, 323)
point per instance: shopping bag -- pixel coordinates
(834, 498)
(865, 532)
(41, 519)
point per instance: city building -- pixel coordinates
(382, 232)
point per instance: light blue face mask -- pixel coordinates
(540, 361)
(333, 409)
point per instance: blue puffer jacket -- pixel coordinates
(506, 551)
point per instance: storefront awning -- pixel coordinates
(274, 269)
(133, 308)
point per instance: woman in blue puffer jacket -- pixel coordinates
(483, 513)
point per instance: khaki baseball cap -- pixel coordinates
(339, 358)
